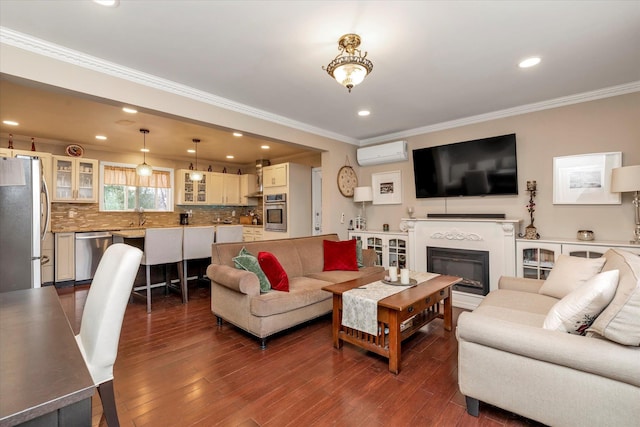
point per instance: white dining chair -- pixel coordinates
(162, 246)
(102, 319)
(228, 233)
(196, 244)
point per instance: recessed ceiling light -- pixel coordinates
(129, 110)
(265, 147)
(107, 3)
(10, 122)
(237, 134)
(101, 137)
(229, 156)
(144, 150)
(364, 113)
(529, 62)
(191, 150)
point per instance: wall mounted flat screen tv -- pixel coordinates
(480, 167)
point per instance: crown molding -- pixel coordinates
(522, 109)
(61, 53)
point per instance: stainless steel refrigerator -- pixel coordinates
(24, 212)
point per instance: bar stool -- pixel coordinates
(228, 233)
(162, 246)
(196, 244)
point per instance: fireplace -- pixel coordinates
(471, 265)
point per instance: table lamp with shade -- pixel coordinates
(627, 179)
(362, 194)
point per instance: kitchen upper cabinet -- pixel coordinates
(46, 161)
(224, 189)
(74, 180)
(192, 192)
(274, 176)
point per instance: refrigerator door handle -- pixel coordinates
(47, 206)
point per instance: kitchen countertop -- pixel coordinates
(125, 229)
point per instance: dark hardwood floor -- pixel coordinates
(176, 367)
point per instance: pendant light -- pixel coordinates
(195, 175)
(350, 67)
(144, 169)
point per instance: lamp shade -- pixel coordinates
(626, 178)
(362, 194)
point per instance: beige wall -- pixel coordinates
(609, 124)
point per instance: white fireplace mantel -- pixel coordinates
(496, 236)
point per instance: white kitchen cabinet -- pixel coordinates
(65, 253)
(48, 259)
(5, 152)
(224, 189)
(252, 234)
(192, 192)
(74, 180)
(536, 258)
(275, 176)
(391, 247)
(248, 185)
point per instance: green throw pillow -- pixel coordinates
(359, 253)
(250, 263)
(244, 251)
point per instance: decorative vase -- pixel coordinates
(531, 233)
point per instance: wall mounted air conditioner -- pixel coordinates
(384, 153)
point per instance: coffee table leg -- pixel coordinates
(448, 312)
(395, 342)
(336, 321)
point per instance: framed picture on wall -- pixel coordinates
(585, 179)
(387, 188)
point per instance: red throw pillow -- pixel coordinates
(274, 271)
(340, 255)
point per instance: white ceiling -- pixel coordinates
(434, 61)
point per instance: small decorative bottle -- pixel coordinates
(10, 141)
(190, 166)
(224, 170)
(33, 144)
(210, 169)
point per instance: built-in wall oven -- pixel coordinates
(275, 212)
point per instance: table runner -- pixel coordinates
(360, 305)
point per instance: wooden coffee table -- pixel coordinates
(420, 303)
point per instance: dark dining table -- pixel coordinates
(43, 377)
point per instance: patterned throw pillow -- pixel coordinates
(576, 312)
(246, 261)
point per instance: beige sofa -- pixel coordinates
(236, 297)
(507, 359)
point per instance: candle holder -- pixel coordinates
(530, 231)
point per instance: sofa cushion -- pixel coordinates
(273, 270)
(303, 291)
(517, 307)
(340, 255)
(250, 263)
(620, 322)
(575, 312)
(568, 273)
(311, 253)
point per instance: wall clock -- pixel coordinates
(347, 180)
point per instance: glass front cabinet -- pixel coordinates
(391, 247)
(74, 180)
(191, 192)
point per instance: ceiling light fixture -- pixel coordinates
(529, 62)
(265, 147)
(195, 175)
(229, 156)
(101, 137)
(364, 113)
(10, 122)
(348, 68)
(144, 169)
(129, 110)
(107, 3)
(237, 134)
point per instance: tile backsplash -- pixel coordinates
(87, 217)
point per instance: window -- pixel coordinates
(123, 190)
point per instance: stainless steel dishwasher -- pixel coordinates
(89, 250)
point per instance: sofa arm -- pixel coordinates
(235, 279)
(520, 284)
(594, 355)
(369, 257)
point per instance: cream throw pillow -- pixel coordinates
(620, 321)
(577, 311)
(568, 273)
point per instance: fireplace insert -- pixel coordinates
(471, 265)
